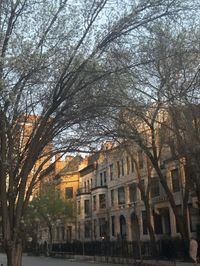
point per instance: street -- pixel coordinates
(46, 261)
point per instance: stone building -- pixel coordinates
(66, 182)
(109, 204)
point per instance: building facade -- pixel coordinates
(66, 182)
(109, 203)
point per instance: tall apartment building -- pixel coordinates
(109, 204)
(26, 129)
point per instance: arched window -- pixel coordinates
(122, 227)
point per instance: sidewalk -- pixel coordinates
(168, 263)
(125, 261)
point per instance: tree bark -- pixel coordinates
(14, 254)
(154, 249)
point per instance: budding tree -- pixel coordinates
(160, 103)
(54, 67)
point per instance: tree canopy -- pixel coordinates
(58, 60)
(48, 209)
(158, 109)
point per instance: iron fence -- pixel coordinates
(167, 249)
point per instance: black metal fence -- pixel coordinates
(167, 248)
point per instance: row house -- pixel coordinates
(66, 176)
(109, 204)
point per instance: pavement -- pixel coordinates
(47, 261)
(169, 263)
(85, 261)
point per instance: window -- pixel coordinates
(113, 225)
(87, 229)
(194, 218)
(79, 230)
(144, 222)
(62, 229)
(95, 228)
(95, 181)
(102, 227)
(121, 195)
(123, 233)
(101, 179)
(69, 233)
(132, 164)
(133, 192)
(175, 180)
(140, 159)
(127, 165)
(104, 177)
(179, 214)
(102, 201)
(69, 192)
(87, 207)
(94, 203)
(155, 190)
(165, 220)
(118, 169)
(78, 207)
(111, 171)
(157, 223)
(112, 199)
(122, 163)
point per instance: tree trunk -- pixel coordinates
(14, 254)
(145, 199)
(154, 249)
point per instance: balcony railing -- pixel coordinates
(99, 187)
(83, 190)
